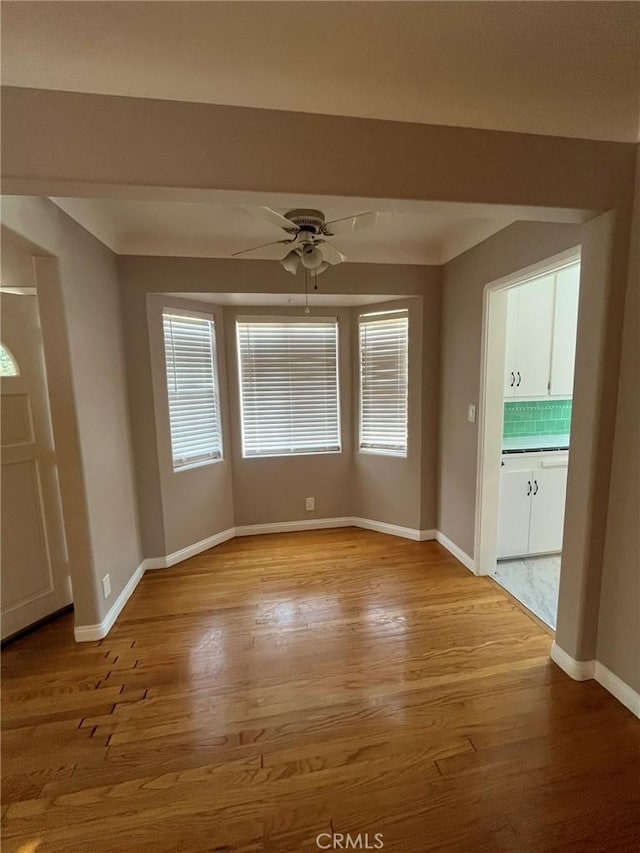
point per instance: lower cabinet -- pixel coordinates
(531, 508)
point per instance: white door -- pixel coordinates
(547, 510)
(510, 347)
(514, 510)
(565, 324)
(535, 325)
(35, 579)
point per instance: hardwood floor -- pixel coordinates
(337, 681)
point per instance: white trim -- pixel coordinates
(152, 563)
(292, 526)
(489, 440)
(174, 311)
(345, 521)
(86, 633)
(391, 529)
(618, 688)
(198, 547)
(19, 291)
(583, 670)
(467, 561)
(579, 670)
(539, 269)
(427, 535)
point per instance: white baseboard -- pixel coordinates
(582, 670)
(579, 670)
(394, 529)
(189, 551)
(293, 526)
(458, 553)
(86, 633)
(618, 688)
(345, 521)
(152, 563)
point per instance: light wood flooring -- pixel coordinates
(337, 681)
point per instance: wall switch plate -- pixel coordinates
(310, 504)
(106, 586)
(471, 414)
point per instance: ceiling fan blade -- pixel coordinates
(261, 246)
(352, 223)
(331, 255)
(274, 217)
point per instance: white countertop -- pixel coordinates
(535, 442)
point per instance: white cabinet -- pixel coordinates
(547, 510)
(542, 317)
(514, 513)
(511, 344)
(565, 325)
(531, 507)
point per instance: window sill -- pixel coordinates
(292, 455)
(392, 453)
(200, 464)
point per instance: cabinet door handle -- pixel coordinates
(513, 379)
(528, 487)
(519, 380)
(535, 487)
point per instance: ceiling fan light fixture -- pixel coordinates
(312, 258)
(291, 262)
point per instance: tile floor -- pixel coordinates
(534, 581)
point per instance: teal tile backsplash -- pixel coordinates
(542, 417)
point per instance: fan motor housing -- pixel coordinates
(307, 220)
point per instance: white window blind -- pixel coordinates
(384, 340)
(192, 385)
(289, 386)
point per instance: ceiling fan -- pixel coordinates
(307, 233)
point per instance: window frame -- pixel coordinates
(174, 311)
(291, 319)
(361, 321)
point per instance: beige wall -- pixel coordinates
(269, 490)
(431, 401)
(388, 488)
(618, 641)
(16, 260)
(594, 406)
(155, 146)
(464, 280)
(65, 143)
(198, 502)
(274, 489)
(81, 323)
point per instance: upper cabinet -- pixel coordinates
(542, 317)
(565, 326)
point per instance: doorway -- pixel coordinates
(529, 337)
(35, 573)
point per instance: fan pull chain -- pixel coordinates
(306, 290)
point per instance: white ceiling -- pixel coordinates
(187, 229)
(556, 68)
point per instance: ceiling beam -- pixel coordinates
(55, 143)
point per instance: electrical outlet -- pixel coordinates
(471, 414)
(310, 504)
(106, 586)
